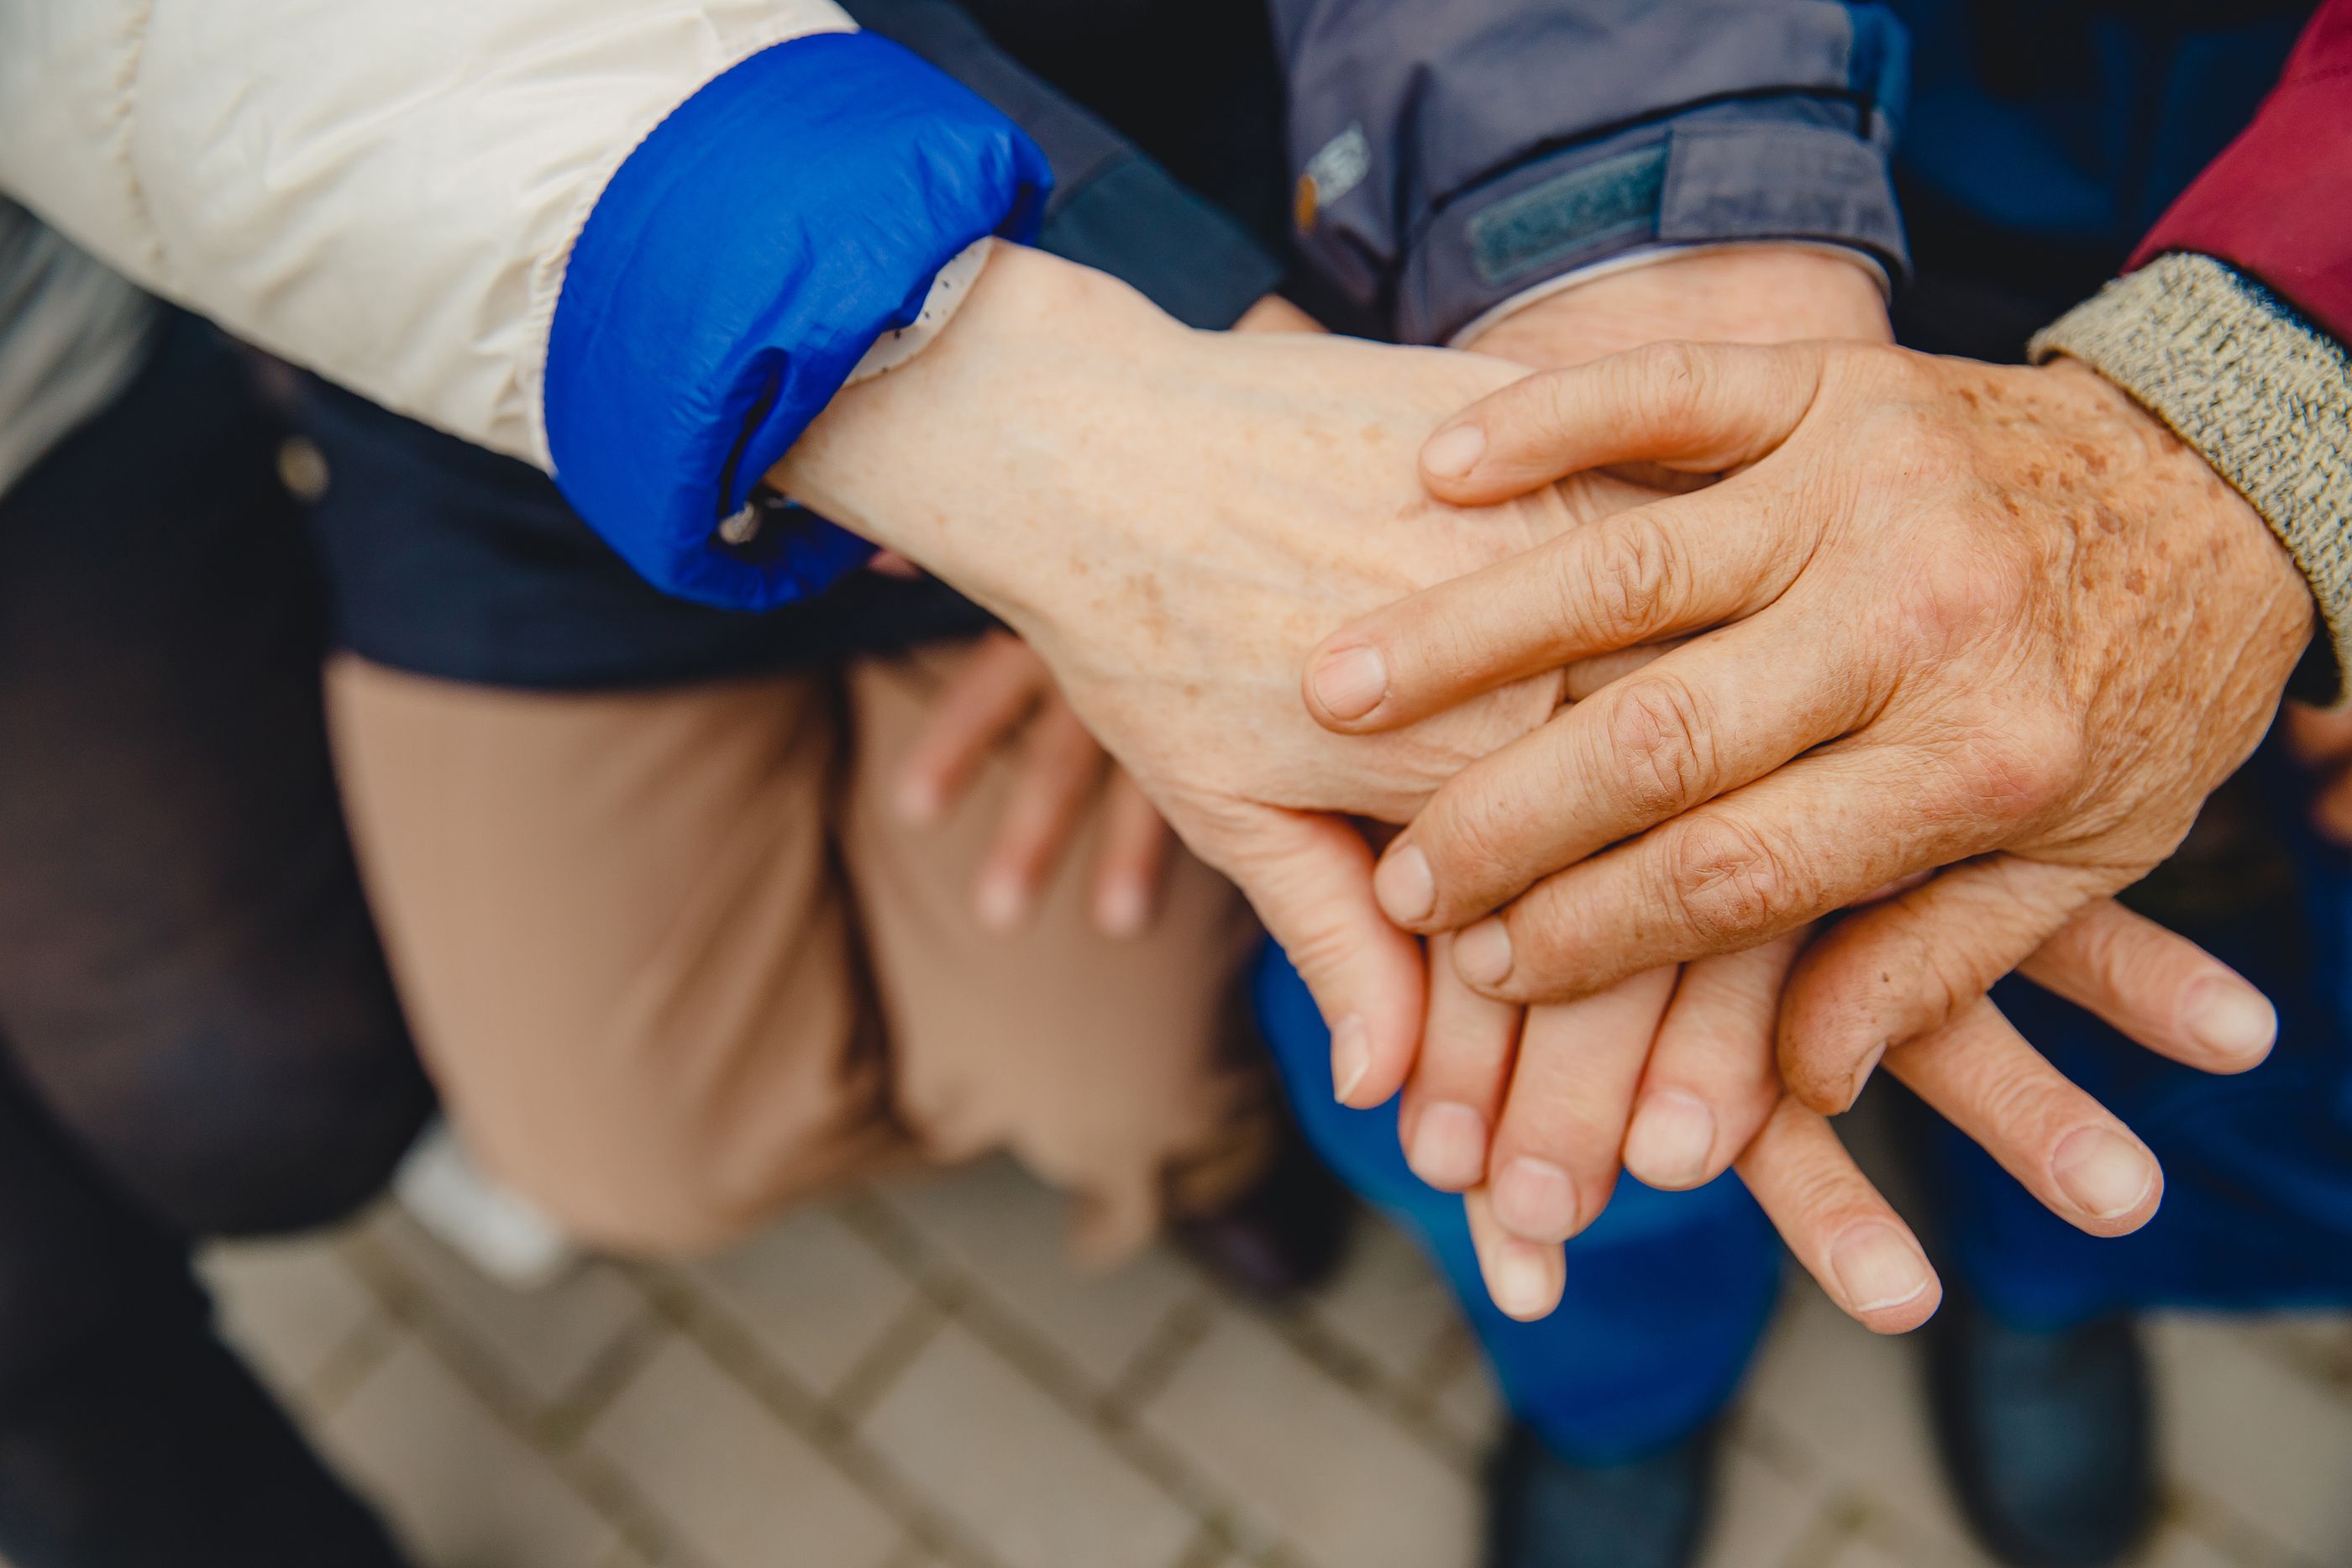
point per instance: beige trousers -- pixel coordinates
(673, 964)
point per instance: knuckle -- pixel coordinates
(1471, 838)
(1672, 385)
(2013, 1103)
(1731, 885)
(2021, 773)
(1960, 595)
(1626, 585)
(1658, 736)
(1816, 1077)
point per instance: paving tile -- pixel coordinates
(2318, 1341)
(463, 1490)
(1035, 1485)
(545, 1340)
(1849, 1401)
(1760, 1515)
(288, 1305)
(1303, 1456)
(813, 1295)
(740, 1488)
(1006, 1232)
(2264, 1444)
(1387, 1302)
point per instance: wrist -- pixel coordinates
(1756, 293)
(2253, 577)
(1033, 346)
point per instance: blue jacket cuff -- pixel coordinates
(743, 259)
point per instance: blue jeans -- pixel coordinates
(1668, 1293)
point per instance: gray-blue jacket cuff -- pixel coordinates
(1719, 174)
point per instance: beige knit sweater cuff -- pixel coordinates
(2264, 396)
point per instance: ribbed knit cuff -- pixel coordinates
(2261, 395)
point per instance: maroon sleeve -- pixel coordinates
(2277, 202)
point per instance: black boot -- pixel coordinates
(2046, 1435)
(1543, 1511)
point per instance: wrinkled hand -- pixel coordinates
(1171, 518)
(1992, 620)
(1002, 696)
(1675, 1078)
(1690, 1066)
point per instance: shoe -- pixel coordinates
(2047, 1436)
(1543, 1511)
(1283, 1236)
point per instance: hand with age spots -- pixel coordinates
(1674, 1073)
(1997, 623)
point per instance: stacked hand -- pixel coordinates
(1927, 618)
(1235, 495)
(1679, 1074)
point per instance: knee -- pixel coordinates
(669, 1166)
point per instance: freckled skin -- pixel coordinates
(2035, 629)
(1175, 543)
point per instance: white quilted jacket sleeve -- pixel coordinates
(387, 192)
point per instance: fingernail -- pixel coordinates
(1522, 1283)
(1001, 903)
(1862, 1073)
(1450, 453)
(1535, 1199)
(1672, 1136)
(1878, 1267)
(1121, 910)
(2106, 1174)
(1404, 885)
(1350, 683)
(2230, 1019)
(1482, 954)
(1449, 1147)
(1351, 1056)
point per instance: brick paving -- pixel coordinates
(912, 1378)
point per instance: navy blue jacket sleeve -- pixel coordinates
(1452, 155)
(1112, 208)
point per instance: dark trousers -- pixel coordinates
(197, 1033)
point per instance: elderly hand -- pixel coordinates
(1750, 293)
(1992, 620)
(1171, 518)
(1693, 1063)
(1675, 1077)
